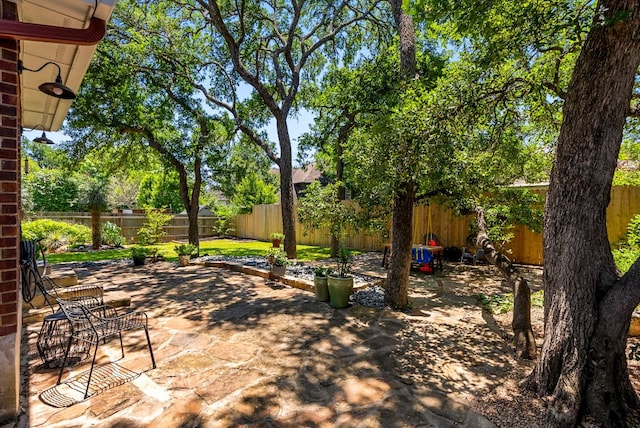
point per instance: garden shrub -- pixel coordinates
(56, 234)
(111, 234)
(152, 230)
(224, 226)
(633, 232)
(628, 251)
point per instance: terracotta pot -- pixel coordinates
(321, 288)
(276, 243)
(339, 291)
(184, 260)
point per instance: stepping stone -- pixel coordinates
(64, 278)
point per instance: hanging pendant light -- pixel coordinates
(55, 89)
(43, 138)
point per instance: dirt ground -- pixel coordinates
(433, 366)
(508, 405)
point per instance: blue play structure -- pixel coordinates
(422, 257)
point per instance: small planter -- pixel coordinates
(339, 291)
(279, 270)
(276, 243)
(138, 260)
(321, 288)
(184, 260)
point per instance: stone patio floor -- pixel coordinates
(234, 350)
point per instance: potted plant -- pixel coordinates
(138, 254)
(320, 277)
(184, 252)
(340, 284)
(276, 239)
(278, 260)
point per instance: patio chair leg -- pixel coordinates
(64, 360)
(93, 361)
(121, 346)
(153, 360)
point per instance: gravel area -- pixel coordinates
(370, 296)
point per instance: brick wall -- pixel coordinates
(9, 179)
(10, 134)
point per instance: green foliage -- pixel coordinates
(344, 262)
(56, 234)
(320, 271)
(152, 230)
(139, 251)
(278, 256)
(633, 232)
(625, 256)
(277, 236)
(505, 208)
(51, 190)
(160, 190)
(112, 234)
(251, 191)
(92, 195)
(184, 249)
(224, 247)
(320, 208)
(626, 253)
(502, 303)
(246, 160)
(224, 226)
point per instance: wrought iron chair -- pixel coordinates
(33, 281)
(92, 325)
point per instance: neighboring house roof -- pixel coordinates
(307, 174)
(203, 210)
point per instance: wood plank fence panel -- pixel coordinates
(451, 230)
(129, 224)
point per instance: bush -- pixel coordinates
(152, 230)
(627, 252)
(633, 232)
(184, 249)
(56, 234)
(224, 226)
(111, 234)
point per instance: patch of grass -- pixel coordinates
(89, 256)
(502, 303)
(217, 247)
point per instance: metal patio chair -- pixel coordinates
(92, 325)
(33, 281)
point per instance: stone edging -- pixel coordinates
(301, 284)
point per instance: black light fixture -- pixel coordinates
(43, 138)
(55, 89)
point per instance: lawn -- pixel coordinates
(216, 247)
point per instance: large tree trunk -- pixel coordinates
(96, 228)
(342, 194)
(286, 190)
(525, 342)
(582, 364)
(397, 285)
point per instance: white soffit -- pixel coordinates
(37, 107)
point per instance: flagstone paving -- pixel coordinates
(233, 350)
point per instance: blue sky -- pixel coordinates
(297, 127)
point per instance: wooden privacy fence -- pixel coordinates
(177, 229)
(452, 230)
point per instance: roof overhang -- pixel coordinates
(73, 59)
